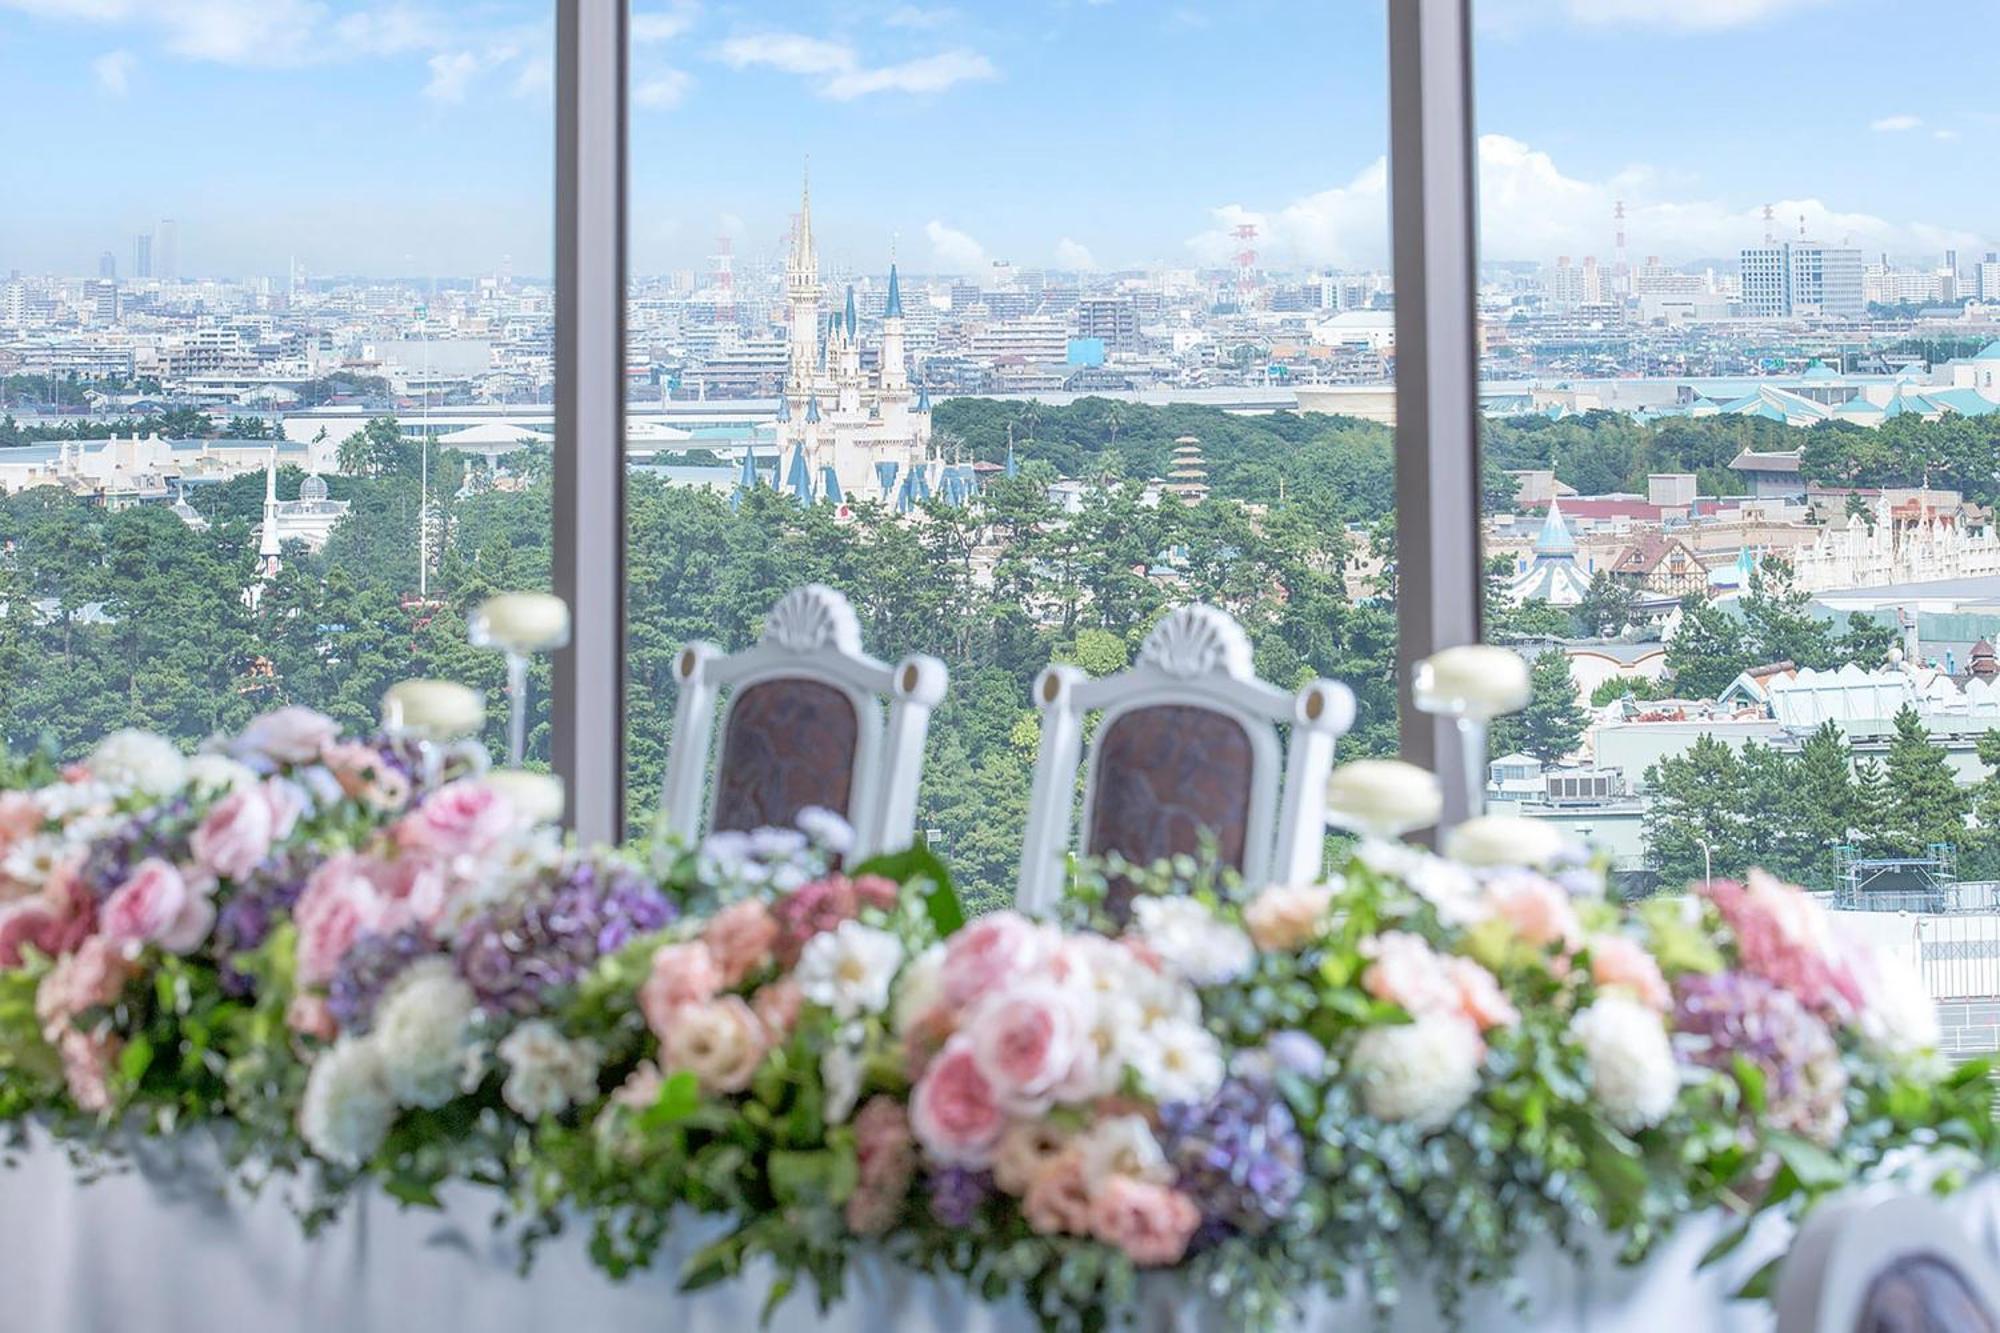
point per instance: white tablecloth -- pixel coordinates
(163, 1249)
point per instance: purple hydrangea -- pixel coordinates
(371, 965)
(159, 831)
(1239, 1156)
(513, 956)
(957, 1193)
(1721, 1017)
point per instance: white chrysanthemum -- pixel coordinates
(1190, 939)
(218, 775)
(1420, 1072)
(1632, 1069)
(918, 989)
(64, 801)
(139, 761)
(30, 860)
(1123, 1145)
(849, 969)
(840, 1070)
(1177, 1061)
(826, 829)
(547, 1072)
(421, 1028)
(347, 1109)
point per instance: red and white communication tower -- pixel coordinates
(723, 279)
(1246, 263)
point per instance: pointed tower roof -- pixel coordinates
(923, 398)
(799, 480)
(812, 410)
(1013, 465)
(1555, 539)
(784, 408)
(803, 257)
(853, 321)
(894, 309)
(746, 477)
(269, 546)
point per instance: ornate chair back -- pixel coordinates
(1186, 750)
(1901, 1265)
(804, 726)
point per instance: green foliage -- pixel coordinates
(1551, 726)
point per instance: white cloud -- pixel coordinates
(661, 25)
(452, 73)
(843, 74)
(1529, 209)
(535, 78)
(114, 71)
(662, 91)
(1945, 136)
(1684, 15)
(954, 251)
(1896, 124)
(916, 16)
(1074, 254)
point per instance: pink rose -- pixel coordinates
(339, 902)
(288, 735)
(53, 922)
(742, 938)
(1407, 972)
(1480, 997)
(416, 888)
(641, 1089)
(155, 905)
(777, 1007)
(87, 1058)
(719, 1041)
(1026, 1040)
(1538, 911)
(682, 975)
(1285, 917)
(365, 776)
(310, 1016)
(1058, 1199)
(91, 978)
(235, 835)
(462, 818)
(989, 951)
(1620, 963)
(20, 817)
(1150, 1223)
(886, 1158)
(877, 891)
(954, 1111)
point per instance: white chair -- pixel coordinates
(1899, 1263)
(1187, 747)
(804, 726)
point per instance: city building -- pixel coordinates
(1799, 279)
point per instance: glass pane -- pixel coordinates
(1737, 387)
(274, 358)
(1017, 372)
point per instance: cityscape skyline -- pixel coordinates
(955, 136)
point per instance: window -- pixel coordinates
(275, 358)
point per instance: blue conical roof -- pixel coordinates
(853, 322)
(1013, 467)
(1555, 539)
(923, 398)
(812, 409)
(784, 408)
(799, 481)
(829, 484)
(894, 310)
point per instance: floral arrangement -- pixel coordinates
(371, 967)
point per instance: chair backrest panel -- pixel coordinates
(1167, 776)
(1906, 1263)
(787, 743)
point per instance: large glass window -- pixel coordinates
(1018, 356)
(1738, 354)
(275, 356)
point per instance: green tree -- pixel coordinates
(1551, 726)
(1926, 804)
(1698, 803)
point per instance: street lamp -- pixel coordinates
(1707, 862)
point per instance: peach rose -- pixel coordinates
(1150, 1223)
(682, 975)
(1027, 1040)
(1027, 1148)
(954, 1111)
(1407, 972)
(53, 922)
(1618, 962)
(1057, 1202)
(1538, 911)
(993, 949)
(310, 1016)
(91, 978)
(1288, 916)
(777, 1007)
(365, 776)
(1480, 997)
(719, 1041)
(743, 938)
(87, 1058)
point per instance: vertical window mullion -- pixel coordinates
(587, 708)
(1432, 161)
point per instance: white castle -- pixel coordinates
(844, 434)
(1911, 535)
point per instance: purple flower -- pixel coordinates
(1728, 1015)
(513, 956)
(957, 1194)
(367, 971)
(1238, 1155)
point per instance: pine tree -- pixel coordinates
(1825, 801)
(1698, 798)
(1868, 817)
(1551, 726)
(1926, 804)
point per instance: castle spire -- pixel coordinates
(893, 310)
(268, 547)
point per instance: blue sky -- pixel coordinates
(400, 138)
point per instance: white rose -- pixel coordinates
(849, 970)
(1473, 680)
(421, 1030)
(1123, 1145)
(1632, 1069)
(436, 710)
(138, 761)
(536, 797)
(521, 622)
(1190, 940)
(918, 990)
(546, 1072)
(1177, 1061)
(218, 775)
(1504, 840)
(347, 1108)
(1383, 798)
(719, 1041)
(1420, 1072)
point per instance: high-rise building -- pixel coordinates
(1989, 276)
(104, 301)
(1800, 278)
(107, 265)
(142, 255)
(170, 249)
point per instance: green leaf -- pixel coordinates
(1731, 1240)
(1816, 1168)
(136, 1059)
(680, 1097)
(413, 1192)
(1751, 1079)
(1758, 1287)
(942, 904)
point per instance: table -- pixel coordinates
(165, 1248)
